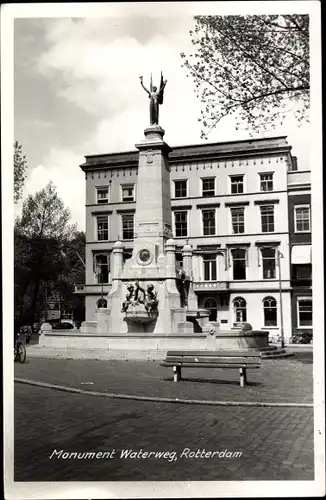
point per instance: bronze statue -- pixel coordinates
(137, 298)
(151, 299)
(129, 298)
(156, 98)
(183, 286)
(136, 295)
(133, 298)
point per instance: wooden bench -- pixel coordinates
(241, 360)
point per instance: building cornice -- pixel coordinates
(266, 201)
(208, 205)
(126, 211)
(102, 212)
(182, 207)
(267, 243)
(237, 244)
(199, 152)
(236, 203)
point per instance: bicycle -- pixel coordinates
(19, 351)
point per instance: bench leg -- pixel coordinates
(243, 377)
(176, 373)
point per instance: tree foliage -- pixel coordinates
(20, 167)
(40, 265)
(44, 215)
(250, 66)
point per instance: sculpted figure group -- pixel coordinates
(136, 295)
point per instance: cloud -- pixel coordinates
(62, 168)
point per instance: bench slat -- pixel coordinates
(202, 359)
(211, 365)
(247, 354)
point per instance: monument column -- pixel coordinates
(153, 203)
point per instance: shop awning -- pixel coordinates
(301, 254)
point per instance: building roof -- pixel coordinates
(195, 152)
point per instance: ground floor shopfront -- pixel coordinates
(301, 311)
(259, 308)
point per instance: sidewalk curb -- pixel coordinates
(159, 400)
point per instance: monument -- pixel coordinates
(148, 294)
(151, 307)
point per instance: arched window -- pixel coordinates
(270, 311)
(102, 303)
(211, 304)
(240, 310)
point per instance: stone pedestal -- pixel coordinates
(102, 320)
(88, 327)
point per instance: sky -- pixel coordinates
(77, 92)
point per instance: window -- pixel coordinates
(239, 263)
(102, 195)
(266, 182)
(181, 224)
(101, 304)
(102, 268)
(209, 226)
(267, 218)
(178, 257)
(211, 304)
(128, 192)
(237, 184)
(127, 226)
(269, 264)
(209, 267)
(237, 217)
(180, 189)
(66, 315)
(270, 311)
(303, 271)
(102, 227)
(304, 312)
(208, 187)
(302, 219)
(240, 310)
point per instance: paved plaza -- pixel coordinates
(275, 442)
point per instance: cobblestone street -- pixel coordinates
(276, 442)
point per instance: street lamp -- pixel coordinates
(100, 272)
(279, 256)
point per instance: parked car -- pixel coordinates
(64, 325)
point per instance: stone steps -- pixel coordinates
(276, 353)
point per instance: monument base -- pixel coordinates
(241, 339)
(134, 346)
